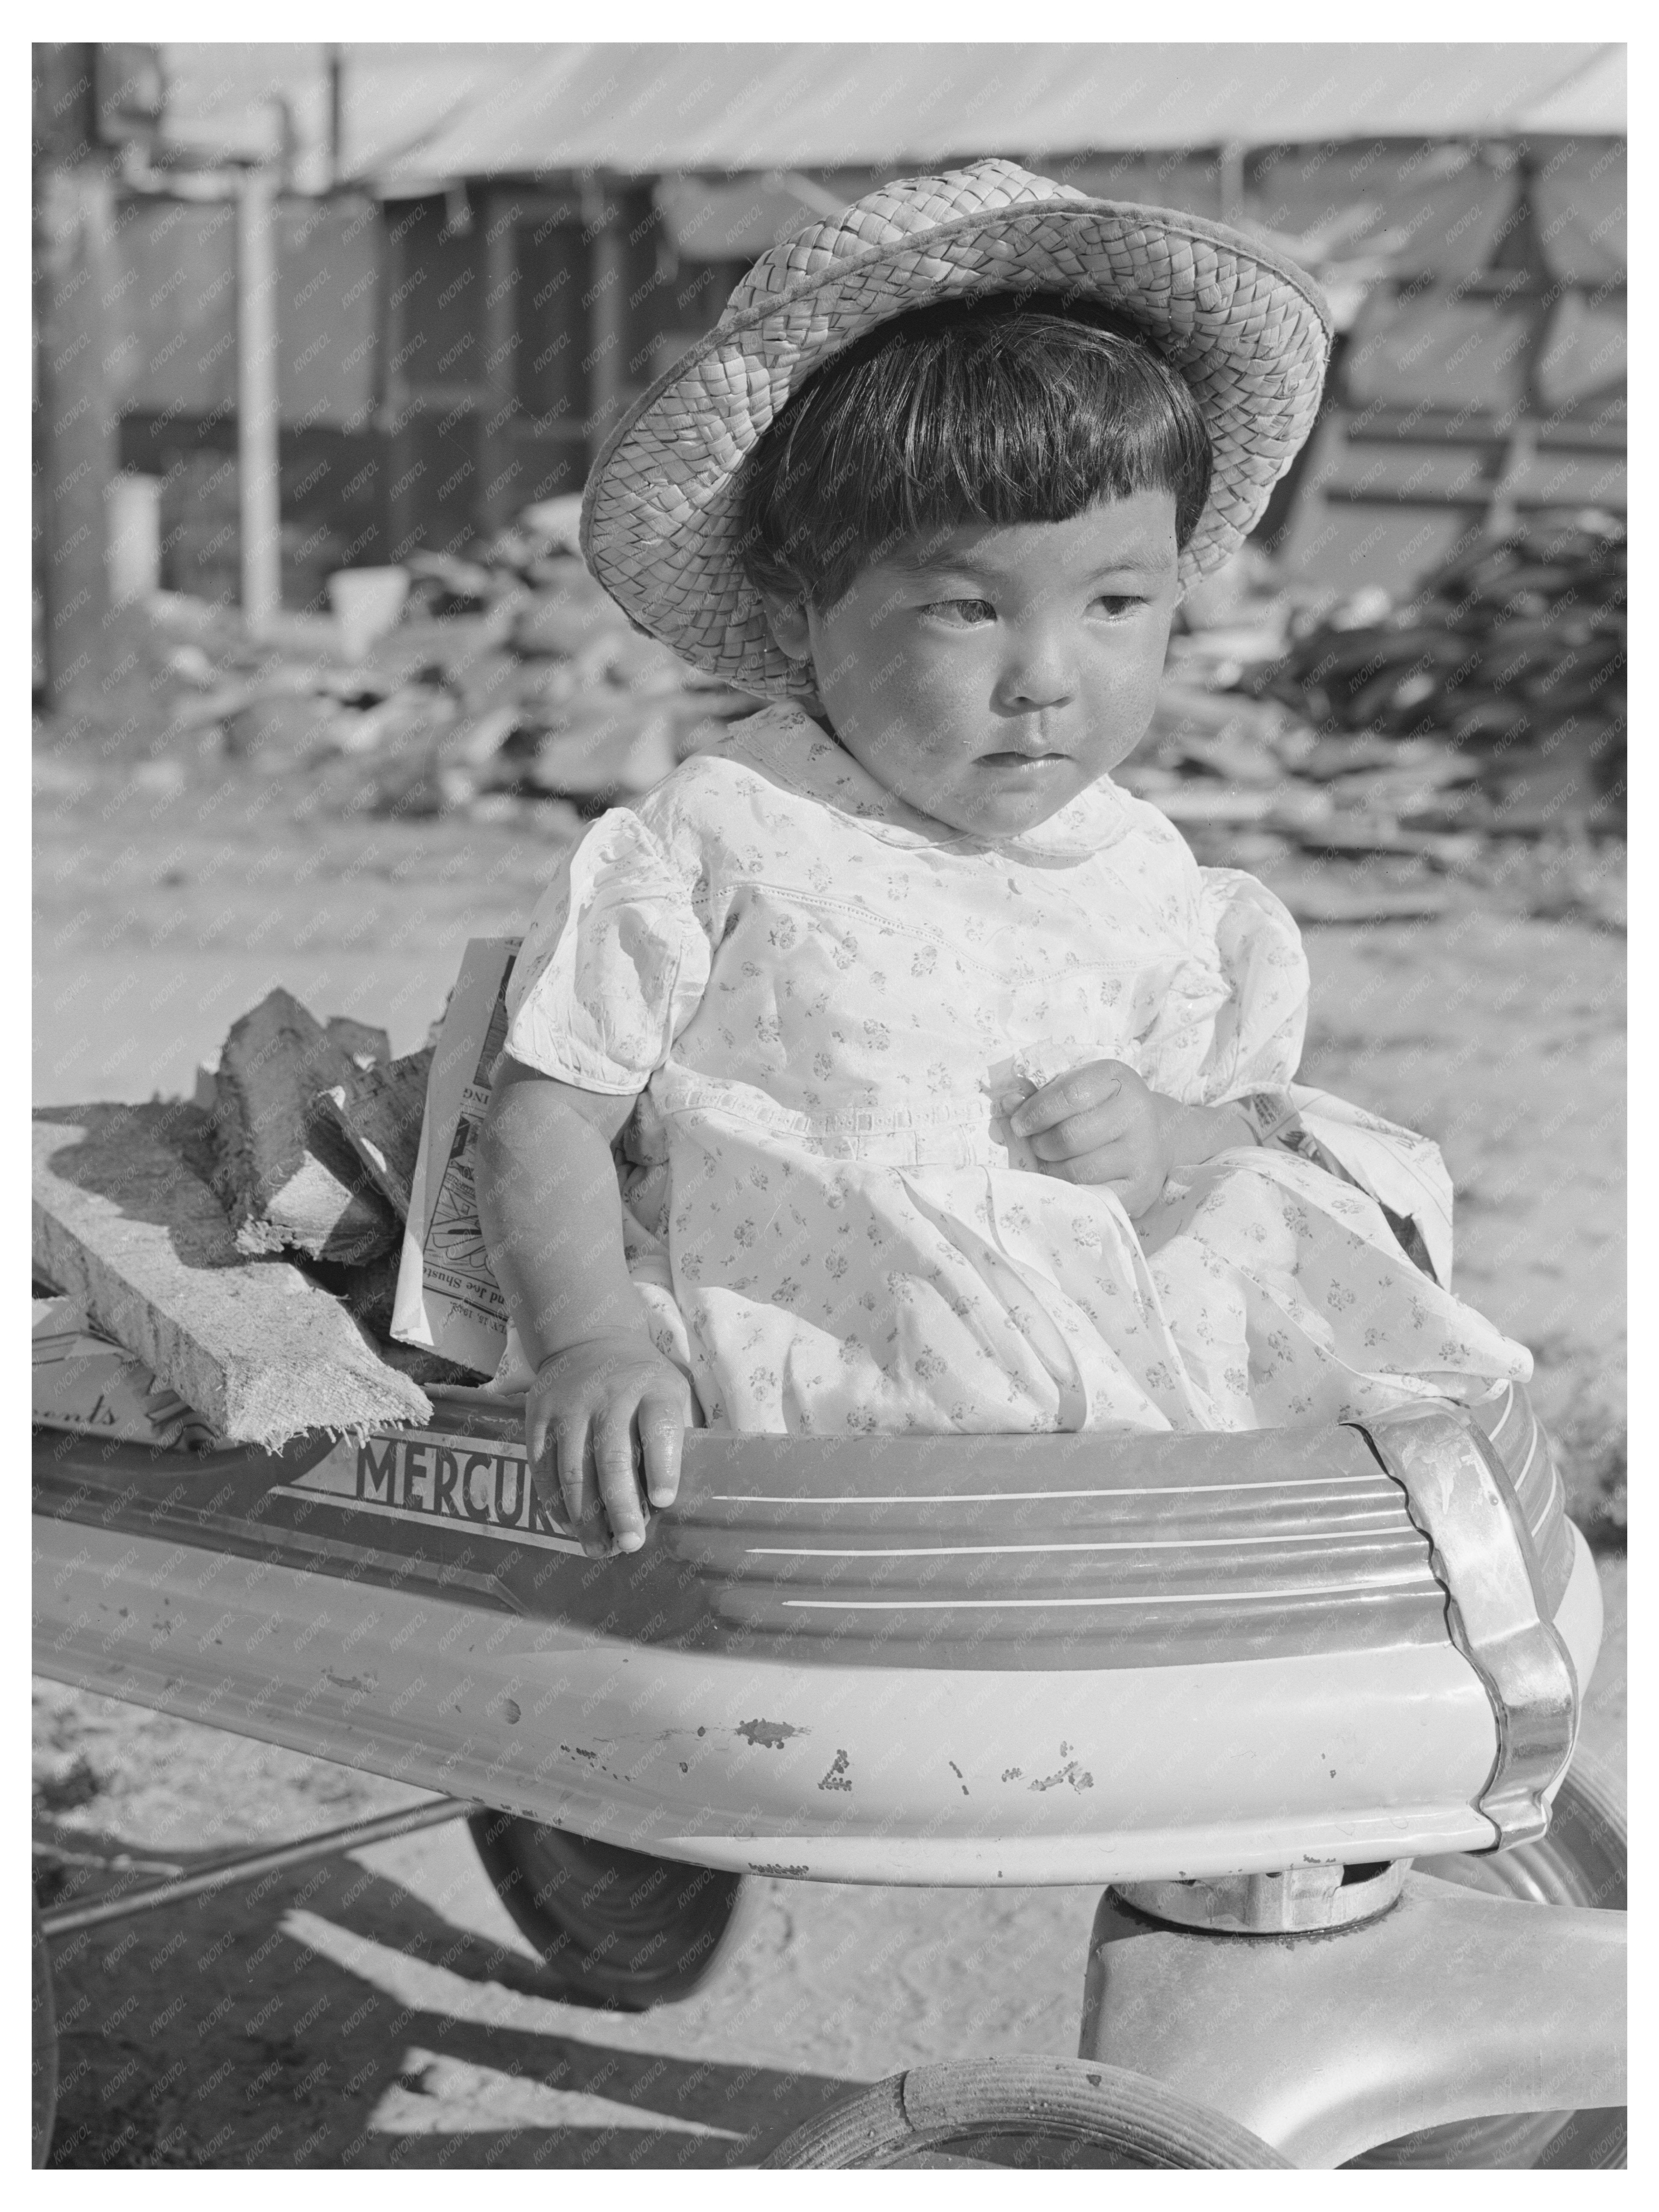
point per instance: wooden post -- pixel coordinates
(1232, 162)
(334, 62)
(256, 400)
(498, 493)
(77, 452)
(607, 305)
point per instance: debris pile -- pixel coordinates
(1514, 654)
(510, 682)
(126, 1224)
(242, 1249)
(1474, 729)
(1488, 707)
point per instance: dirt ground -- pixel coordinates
(380, 2010)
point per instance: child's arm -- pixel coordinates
(552, 1219)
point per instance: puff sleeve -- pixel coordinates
(613, 964)
(1256, 1043)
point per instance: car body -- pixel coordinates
(1048, 1659)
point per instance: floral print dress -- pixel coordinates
(824, 1003)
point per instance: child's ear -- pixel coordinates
(786, 620)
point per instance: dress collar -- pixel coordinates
(792, 750)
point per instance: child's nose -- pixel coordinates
(1038, 671)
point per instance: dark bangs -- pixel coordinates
(1001, 408)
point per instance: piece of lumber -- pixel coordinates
(287, 1180)
(124, 1225)
(379, 1115)
(369, 1295)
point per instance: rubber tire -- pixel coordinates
(1582, 1860)
(1000, 2104)
(612, 1927)
(43, 2049)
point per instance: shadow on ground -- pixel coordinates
(334, 2018)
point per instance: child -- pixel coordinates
(949, 1093)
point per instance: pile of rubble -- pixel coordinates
(1487, 706)
(1514, 654)
(223, 1270)
(1432, 735)
(508, 683)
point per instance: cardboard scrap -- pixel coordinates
(124, 1226)
(287, 1179)
(379, 1113)
(448, 1299)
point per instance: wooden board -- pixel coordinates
(379, 1114)
(288, 1180)
(123, 1224)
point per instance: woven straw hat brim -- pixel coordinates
(1247, 329)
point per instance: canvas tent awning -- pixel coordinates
(419, 115)
(1593, 102)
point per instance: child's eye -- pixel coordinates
(962, 612)
(1115, 604)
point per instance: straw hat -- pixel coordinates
(1247, 329)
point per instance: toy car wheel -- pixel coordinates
(1581, 1860)
(613, 1927)
(43, 2051)
(1033, 2113)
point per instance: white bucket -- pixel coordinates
(133, 510)
(366, 603)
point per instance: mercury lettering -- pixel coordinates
(420, 1475)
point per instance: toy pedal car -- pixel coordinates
(1241, 1678)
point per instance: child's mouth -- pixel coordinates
(1026, 762)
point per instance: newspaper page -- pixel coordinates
(448, 1299)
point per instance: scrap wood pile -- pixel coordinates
(224, 1270)
(1488, 706)
(510, 684)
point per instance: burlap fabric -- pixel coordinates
(1248, 330)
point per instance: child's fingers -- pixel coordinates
(614, 1469)
(1106, 1169)
(661, 1424)
(537, 1440)
(1119, 1167)
(573, 1466)
(542, 1454)
(1086, 1132)
(1078, 1092)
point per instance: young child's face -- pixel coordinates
(987, 675)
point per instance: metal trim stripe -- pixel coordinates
(1016, 1604)
(1360, 1486)
(1003, 1550)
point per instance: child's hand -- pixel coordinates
(1101, 1124)
(599, 1415)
